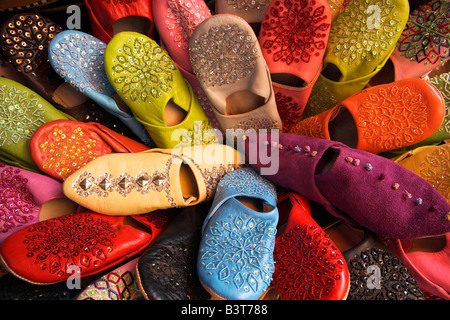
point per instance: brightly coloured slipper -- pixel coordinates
(381, 118)
(22, 113)
(148, 81)
(227, 60)
(79, 58)
(360, 43)
(235, 259)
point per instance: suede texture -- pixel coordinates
(360, 187)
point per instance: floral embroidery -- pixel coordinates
(223, 55)
(442, 83)
(437, 170)
(26, 41)
(16, 201)
(142, 70)
(294, 32)
(353, 41)
(391, 116)
(308, 265)
(289, 110)
(80, 59)
(426, 37)
(182, 18)
(21, 115)
(76, 239)
(310, 127)
(232, 251)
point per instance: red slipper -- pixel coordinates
(49, 251)
(103, 16)
(293, 39)
(308, 265)
(60, 147)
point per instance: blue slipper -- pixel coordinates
(78, 58)
(235, 260)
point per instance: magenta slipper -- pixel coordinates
(359, 187)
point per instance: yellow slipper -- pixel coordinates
(149, 82)
(432, 163)
(360, 43)
(126, 184)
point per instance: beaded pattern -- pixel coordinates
(436, 169)
(233, 250)
(198, 133)
(80, 60)
(16, 201)
(308, 265)
(354, 42)
(142, 70)
(21, 115)
(248, 181)
(426, 37)
(294, 31)
(223, 55)
(392, 116)
(182, 18)
(396, 282)
(256, 123)
(442, 83)
(116, 285)
(76, 239)
(247, 5)
(26, 42)
(67, 153)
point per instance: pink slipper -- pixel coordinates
(27, 197)
(293, 39)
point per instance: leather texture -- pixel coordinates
(167, 268)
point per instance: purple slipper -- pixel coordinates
(359, 187)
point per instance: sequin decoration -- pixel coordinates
(76, 239)
(25, 42)
(223, 55)
(247, 5)
(396, 283)
(182, 17)
(392, 116)
(86, 184)
(80, 59)
(16, 200)
(233, 250)
(248, 181)
(121, 2)
(66, 152)
(142, 70)
(354, 40)
(442, 83)
(21, 114)
(308, 266)
(257, 123)
(436, 169)
(426, 37)
(294, 31)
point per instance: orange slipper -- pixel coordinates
(380, 118)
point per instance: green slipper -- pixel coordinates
(149, 82)
(22, 111)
